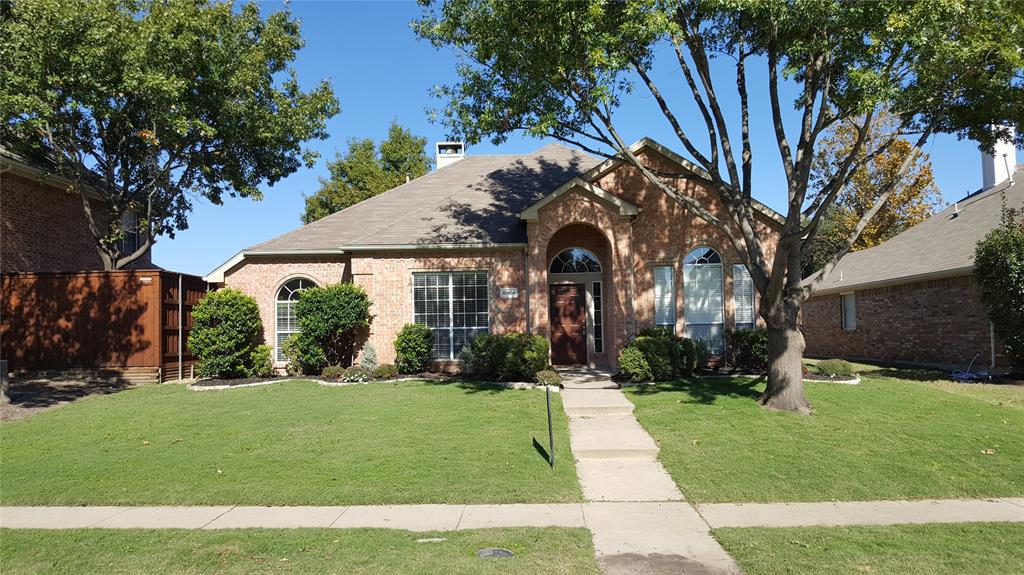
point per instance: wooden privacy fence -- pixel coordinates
(99, 319)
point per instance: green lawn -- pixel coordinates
(957, 549)
(287, 444)
(883, 439)
(280, 551)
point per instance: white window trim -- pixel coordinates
(842, 311)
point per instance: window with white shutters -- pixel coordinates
(703, 297)
(743, 296)
(664, 297)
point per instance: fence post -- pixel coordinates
(181, 330)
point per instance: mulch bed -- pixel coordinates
(833, 379)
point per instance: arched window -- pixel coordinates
(574, 261)
(703, 296)
(287, 323)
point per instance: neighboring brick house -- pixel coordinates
(43, 227)
(914, 298)
(553, 242)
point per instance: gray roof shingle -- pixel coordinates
(476, 200)
(941, 245)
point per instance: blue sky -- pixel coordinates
(380, 72)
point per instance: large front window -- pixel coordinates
(454, 306)
(743, 296)
(287, 322)
(703, 297)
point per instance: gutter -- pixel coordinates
(409, 247)
(950, 273)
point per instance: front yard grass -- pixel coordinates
(544, 551)
(883, 439)
(294, 443)
(951, 549)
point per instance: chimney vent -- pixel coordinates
(999, 166)
(448, 153)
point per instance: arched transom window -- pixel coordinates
(703, 296)
(574, 261)
(287, 323)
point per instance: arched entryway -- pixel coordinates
(578, 281)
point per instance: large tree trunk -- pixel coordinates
(785, 389)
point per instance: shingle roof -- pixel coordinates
(942, 245)
(476, 200)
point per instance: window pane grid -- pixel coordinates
(598, 318)
(454, 306)
(286, 321)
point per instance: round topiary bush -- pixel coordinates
(835, 368)
(226, 334)
(412, 348)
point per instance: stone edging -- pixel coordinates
(852, 381)
(325, 383)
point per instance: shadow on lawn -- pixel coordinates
(48, 393)
(470, 387)
(706, 390)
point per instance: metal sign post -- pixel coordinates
(551, 433)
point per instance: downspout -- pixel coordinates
(992, 340)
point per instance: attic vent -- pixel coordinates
(448, 153)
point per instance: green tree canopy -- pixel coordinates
(367, 170)
(999, 268)
(562, 69)
(153, 103)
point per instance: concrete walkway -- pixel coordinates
(611, 518)
(838, 513)
(641, 524)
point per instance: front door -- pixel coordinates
(568, 324)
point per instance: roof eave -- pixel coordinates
(18, 167)
(888, 282)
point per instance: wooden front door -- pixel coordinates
(568, 324)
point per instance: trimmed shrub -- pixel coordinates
(412, 348)
(385, 371)
(226, 333)
(835, 367)
(368, 359)
(332, 372)
(262, 361)
(667, 354)
(329, 319)
(747, 348)
(548, 377)
(633, 365)
(702, 352)
(505, 357)
(356, 374)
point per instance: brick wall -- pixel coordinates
(43, 228)
(937, 321)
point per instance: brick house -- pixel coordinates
(914, 299)
(583, 251)
(42, 222)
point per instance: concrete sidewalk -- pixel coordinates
(617, 518)
(839, 513)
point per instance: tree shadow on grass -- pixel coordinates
(38, 393)
(706, 390)
(470, 387)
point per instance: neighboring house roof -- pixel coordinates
(941, 246)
